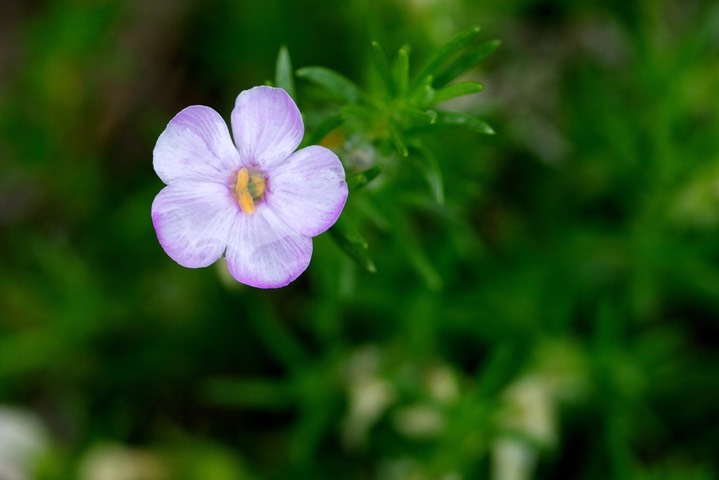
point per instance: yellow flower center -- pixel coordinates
(250, 187)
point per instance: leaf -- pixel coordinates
(357, 180)
(456, 90)
(398, 141)
(444, 54)
(465, 61)
(464, 120)
(359, 117)
(422, 95)
(501, 366)
(284, 78)
(418, 118)
(258, 393)
(335, 83)
(379, 60)
(325, 127)
(353, 244)
(401, 70)
(428, 165)
(416, 255)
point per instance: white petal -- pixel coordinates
(193, 221)
(196, 145)
(263, 252)
(308, 191)
(267, 126)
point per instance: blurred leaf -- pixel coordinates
(464, 120)
(401, 70)
(284, 77)
(335, 83)
(352, 243)
(277, 337)
(379, 60)
(261, 394)
(412, 248)
(503, 365)
(398, 141)
(358, 180)
(326, 126)
(428, 165)
(465, 61)
(456, 90)
(443, 55)
(195, 459)
(418, 118)
(423, 94)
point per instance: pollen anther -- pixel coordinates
(249, 187)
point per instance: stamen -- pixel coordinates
(249, 187)
(242, 178)
(256, 186)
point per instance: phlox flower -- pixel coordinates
(253, 201)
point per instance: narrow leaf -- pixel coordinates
(428, 165)
(353, 244)
(464, 120)
(456, 90)
(418, 118)
(444, 54)
(399, 142)
(278, 340)
(261, 394)
(422, 95)
(501, 366)
(416, 255)
(379, 60)
(325, 127)
(464, 62)
(335, 83)
(401, 71)
(357, 180)
(358, 116)
(284, 77)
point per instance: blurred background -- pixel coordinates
(556, 317)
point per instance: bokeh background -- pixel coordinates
(556, 317)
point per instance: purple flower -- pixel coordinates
(255, 201)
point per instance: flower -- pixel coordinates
(255, 201)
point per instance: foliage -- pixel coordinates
(537, 303)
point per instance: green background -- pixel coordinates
(560, 307)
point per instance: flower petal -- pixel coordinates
(267, 126)
(193, 221)
(196, 145)
(263, 252)
(308, 191)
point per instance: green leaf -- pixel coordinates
(465, 61)
(444, 54)
(456, 90)
(501, 366)
(359, 117)
(357, 180)
(259, 393)
(325, 127)
(352, 243)
(284, 77)
(335, 83)
(422, 95)
(418, 118)
(401, 70)
(464, 120)
(428, 165)
(416, 255)
(399, 142)
(379, 60)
